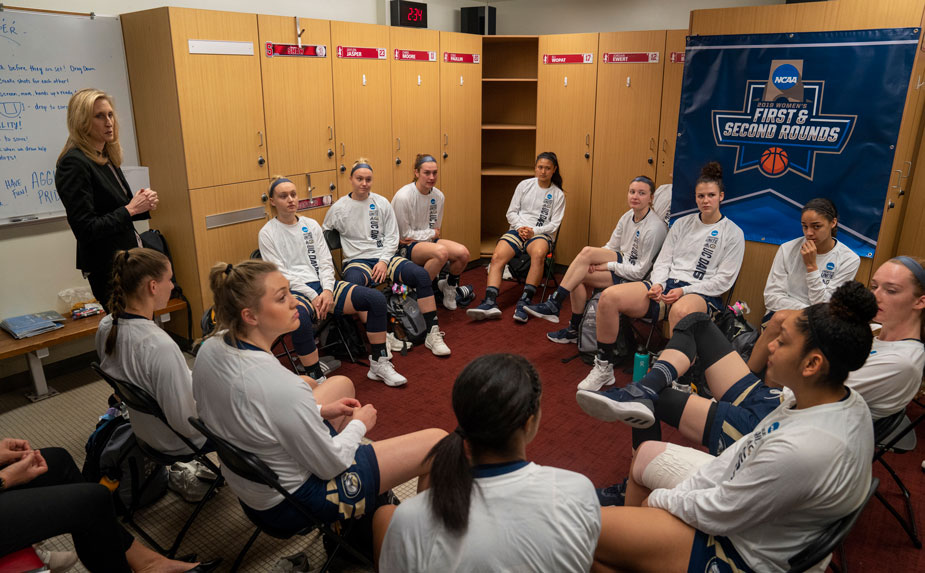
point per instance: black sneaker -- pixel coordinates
(614, 495)
(633, 405)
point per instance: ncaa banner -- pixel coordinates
(791, 117)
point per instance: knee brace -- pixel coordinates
(303, 338)
(697, 335)
(415, 276)
(356, 276)
(670, 406)
(372, 302)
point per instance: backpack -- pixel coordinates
(587, 332)
(113, 454)
(405, 317)
(731, 322)
(154, 239)
(346, 326)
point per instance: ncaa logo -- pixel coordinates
(432, 201)
(830, 265)
(772, 427)
(637, 232)
(714, 233)
(549, 195)
(785, 77)
(304, 229)
(372, 206)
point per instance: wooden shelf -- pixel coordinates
(507, 170)
(508, 126)
(487, 244)
(509, 80)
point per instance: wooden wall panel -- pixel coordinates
(461, 136)
(298, 97)
(565, 106)
(675, 41)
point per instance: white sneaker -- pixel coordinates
(383, 370)
(601, 375)
(506, 273)
(56, 561)
(434, 341)
(449, 294)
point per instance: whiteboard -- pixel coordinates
(44, 59)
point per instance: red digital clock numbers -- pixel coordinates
(408, 14)
(414, 15)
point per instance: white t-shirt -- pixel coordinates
(638, 243)
(367, 228)
(662, 202)
(248, 398)
(891, 376)
(300, 252)
(789, 286)
(540, 209)
(776, 490)
(706, 256)
(417, 214)
(535, 518)
(146, 356)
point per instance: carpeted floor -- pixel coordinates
(567, 438)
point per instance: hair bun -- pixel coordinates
(853, 302)
(712, 170)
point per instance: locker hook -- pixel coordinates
(299, 30)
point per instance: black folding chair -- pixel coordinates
(895, 434)
(831, 539)
(520, 267)
(332, 238)
(140, 400)
(250, 467)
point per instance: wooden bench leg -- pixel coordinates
(42, 390)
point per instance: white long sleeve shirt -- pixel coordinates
(367, 228)
(891, 376)
(789, 286)
(248, 398)
(540, 209)
(417, 214)
(535, 518)
(300, 252)
(776, 490)
(638, 244)
(662, 202)
(706, 256)
(146, 356)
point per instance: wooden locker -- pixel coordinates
(311, 185)
(627, 125)
(460, 144)
(221, 101)
(362, 104)
(226, 221)
(565, 125)
(298, 97)
(415, 101)
(675, 42)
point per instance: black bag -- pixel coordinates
(154, 239)
(587, 332)
(737, 330)
(406, 318)
(330, 340)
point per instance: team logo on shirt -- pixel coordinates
(374, 232)
(753, 442)
(432, 214)
(706, 253)
(828, 273)
(634, 249)
(351, 484)
(544, 210)
(309, 241)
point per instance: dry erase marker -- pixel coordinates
(21, 219)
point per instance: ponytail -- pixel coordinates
(130, 270)
(451, 482)
(234, 288)
(421, 159)
(556, 175)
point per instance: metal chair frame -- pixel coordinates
(887, 434)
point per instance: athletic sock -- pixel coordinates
(659, 377)
(559, 296)
(314, 371)
(430, 319)
(452, 280)
(575, 321)
(606, 351)
(378, 350)
(491, 293)
(529, 291)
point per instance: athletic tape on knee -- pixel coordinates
(373, 303)
(303, 338)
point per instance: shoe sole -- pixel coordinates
(377, 378)
(554, 318)
(479, 314)
(607, 410)
(436, 353)
(449, 306)
(562, 340)
(608, 383)
(522, 319)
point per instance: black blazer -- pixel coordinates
(95, 202)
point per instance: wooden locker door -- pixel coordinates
(362, 104)
(226, 221)
(675, 42)
(311, 185)
(461, 140)
(298, 97)
(415, 101)
(565, 125)
(221, 101)
(627, 125)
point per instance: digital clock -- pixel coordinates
(409, 14)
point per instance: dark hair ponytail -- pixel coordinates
(840, 329)
(826, 208)
(557, 175)
(493, 397)
(712, 172)
(130, 269)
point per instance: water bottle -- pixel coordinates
(640, 363)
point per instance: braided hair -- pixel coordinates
(130, 270)
(493, 397)
(234, 288)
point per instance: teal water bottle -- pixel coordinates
(640, 363)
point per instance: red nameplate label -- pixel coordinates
(315, 202)
(364, 53)
(568, 58)
(415, 56)
(454, 58)
(677, 57)
(630, 58)
(295, 50)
